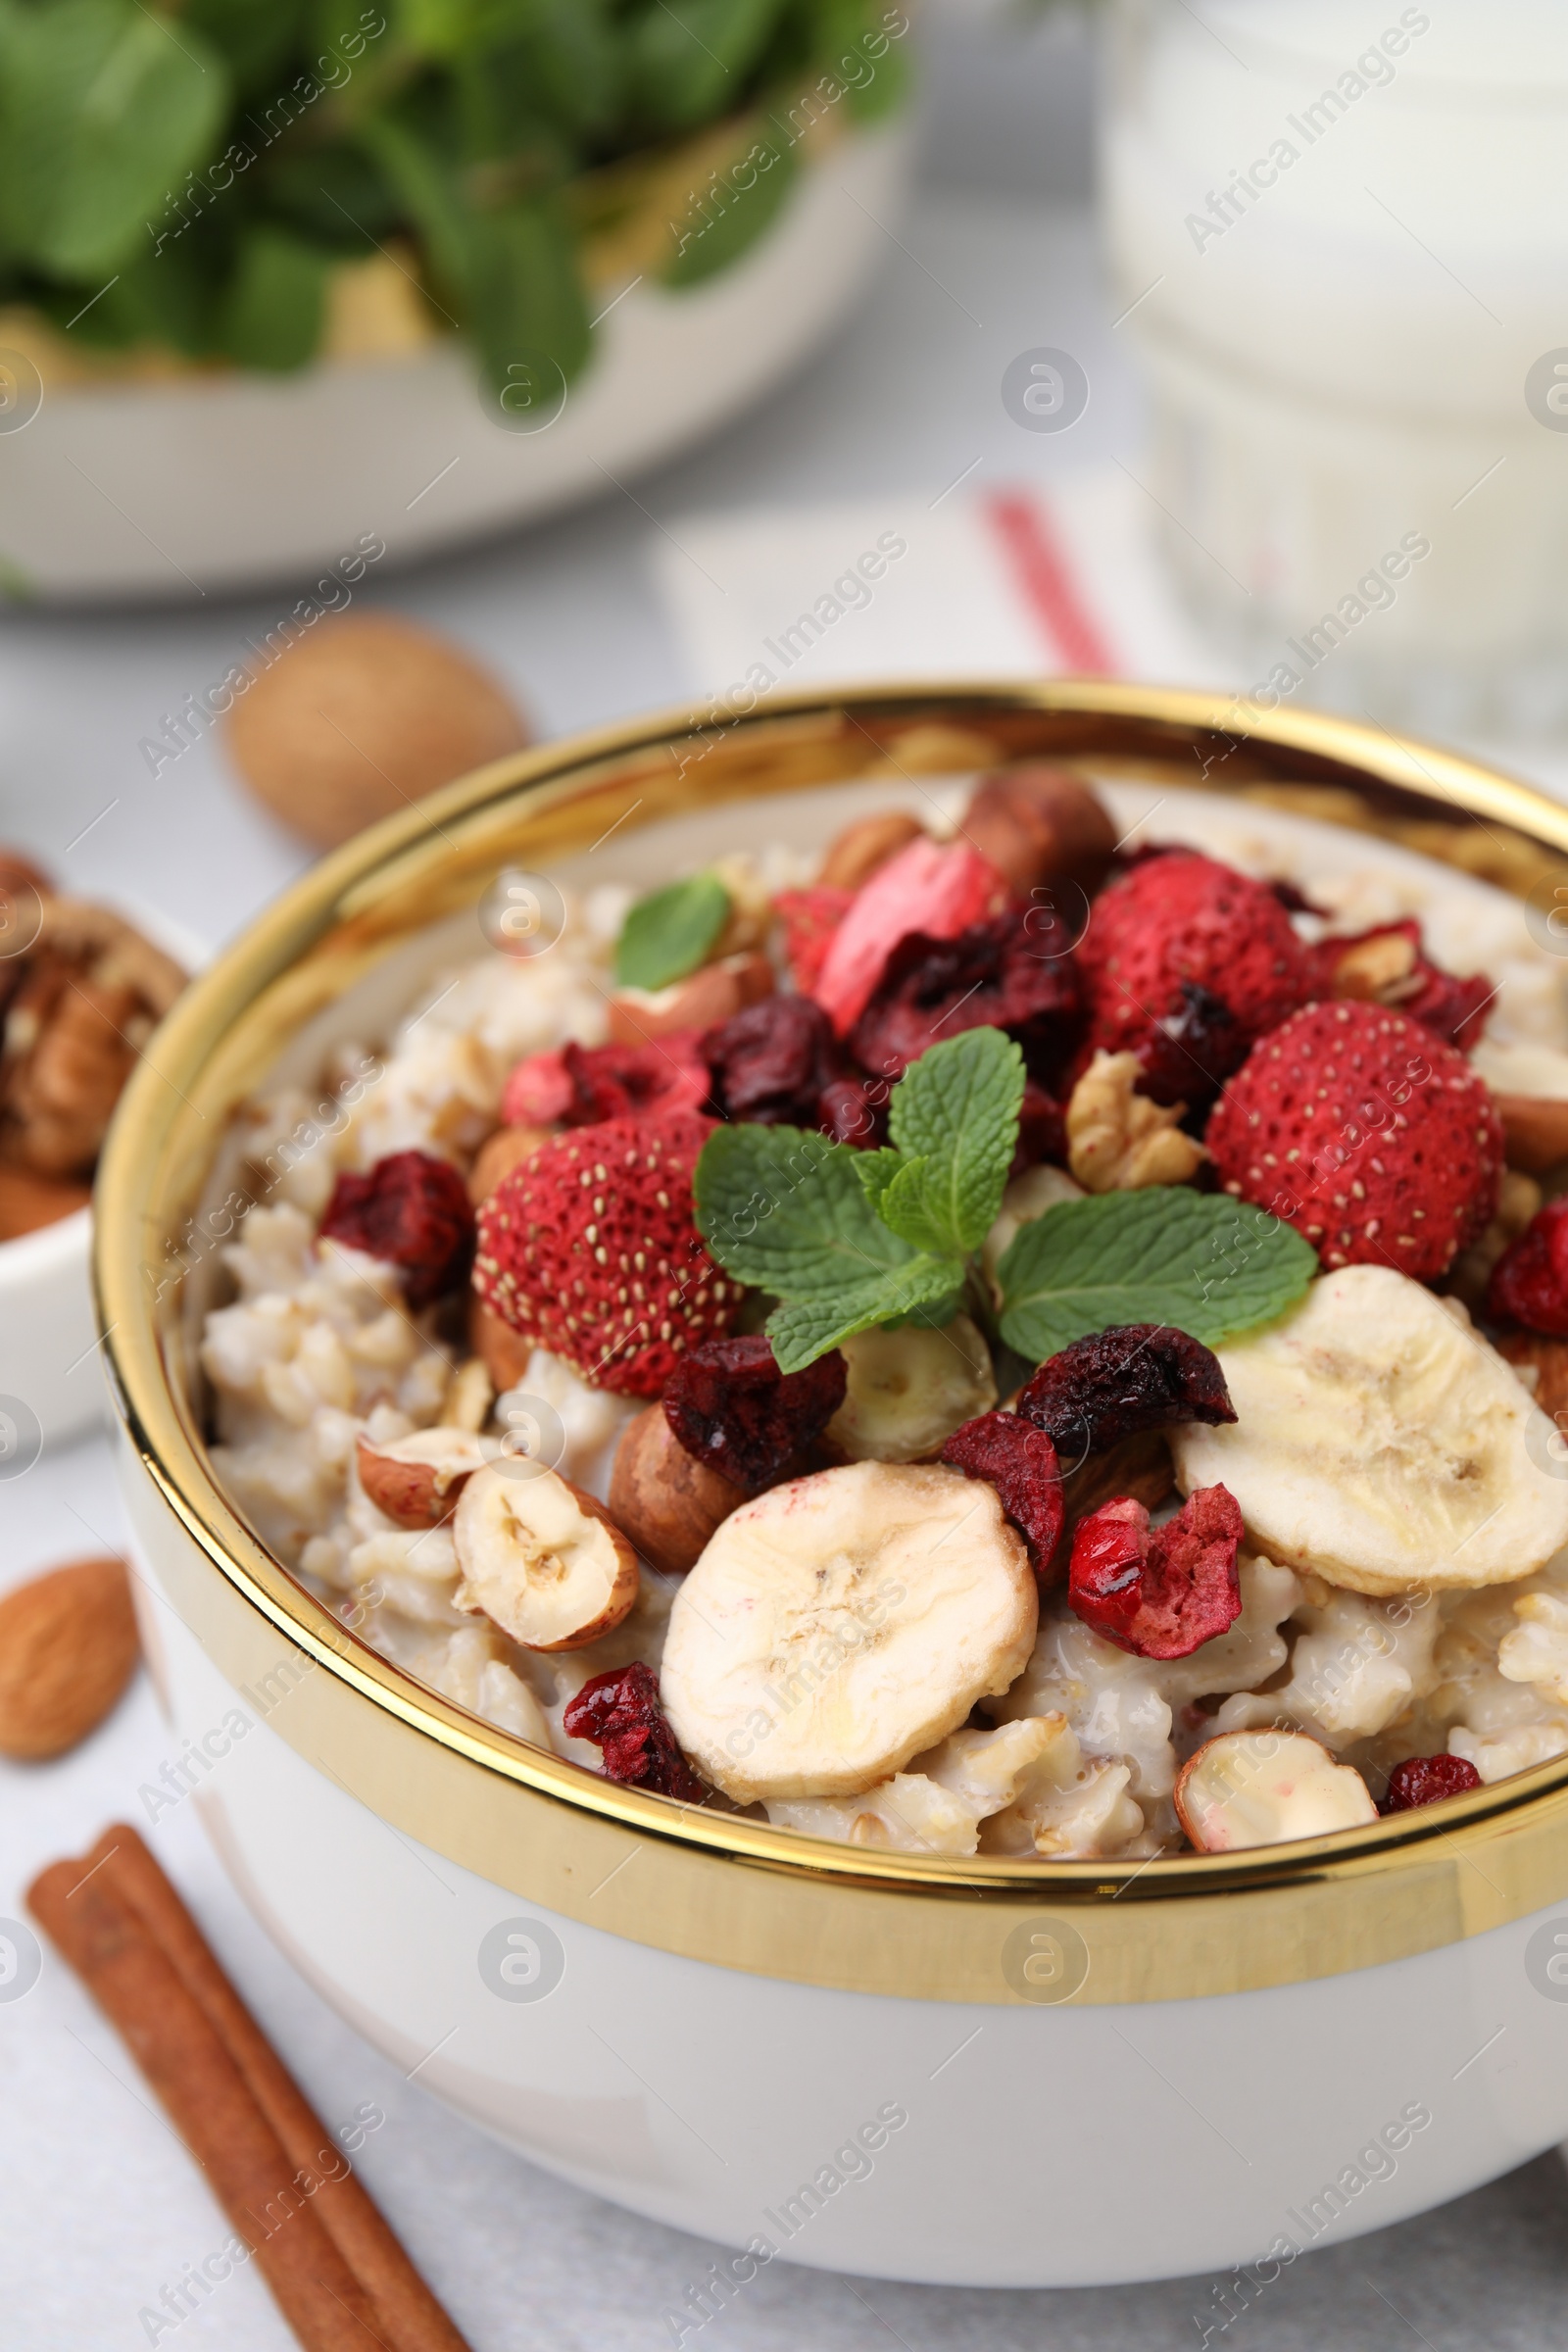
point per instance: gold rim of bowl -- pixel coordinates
(736, 1892)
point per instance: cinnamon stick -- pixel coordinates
(412, 2321)
(338, 2272)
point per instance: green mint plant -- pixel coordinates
(189, 172)
(846, 1240)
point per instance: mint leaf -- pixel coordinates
(956, 1109)
(906, 1204)
(272, 317)
(805, 1328)
(1199, 1261)
(785, 1211)
(667, 935)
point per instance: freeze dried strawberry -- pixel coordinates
(936, 888)
(588, 1249)
(1182, 918)
(1427, 1781)
(1183, 1055)
(620, 1712)
(584, 1085)
(769, 1063)
(411, 1210)
(1160, 1594)
(1377, 1142)
(1020, 1462)
(731, 1408)
(1388, 966)
(1529, 1281)
(810, 918)
(992, 976)
(1115, 1383)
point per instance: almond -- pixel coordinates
(417, 1480)
(1534, 1130)
(68, 1649)
(29, 1203)
(499, 1154)
(701, 1001)
(1039, 824)
(856, 852)
(662, 1500)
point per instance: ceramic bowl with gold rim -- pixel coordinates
(955, 2068)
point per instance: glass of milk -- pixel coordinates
(1342, 231)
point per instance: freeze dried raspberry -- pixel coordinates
(619, 1712)
(1427, 1781)
(584, 1085)
(731, 1408)
(1377, 1142)
(1114, 1384)
(1042, 1130)
(411, 1211)
(589, 1249)
(940, 888)
(1020, 1462)
(1160, 1594)
(1178, 918)
(809, 918)
(991, 976)
(1529, 1281)
(1187, 1054)
(853, 1110)
(769, 1063)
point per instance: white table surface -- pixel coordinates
(99, 2205)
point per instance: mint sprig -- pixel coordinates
(847, 1240)
(1201, 1261)
(670, 934)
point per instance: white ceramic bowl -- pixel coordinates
(220, 481)
(969, 2071)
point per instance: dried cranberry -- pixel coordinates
(992, 976)
(1020, 1462)
(769, 1063)
(1529, 1281)
(1160, 1594)
(1427, 1781)
(619, 1712)
(1114, 1382)
(1042, 1130)
(413, 1211)
(853, 1110)
(809, 918)
(1193, 1049)
(731, 1408)
(585, 1085)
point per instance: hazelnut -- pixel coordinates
(1534, 1130)
(854, 856)
(1040, 824)
(417, 1480)
(503, 1352)
(541, 1559)
(666, 1501)
(1525, 1349)
(1264, 1787)
(499, 1154)
(701, 1001)
(362, 717)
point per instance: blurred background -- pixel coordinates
(385, 385)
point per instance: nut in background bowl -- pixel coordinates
(784, 1998)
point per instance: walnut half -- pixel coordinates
(1117, 1140)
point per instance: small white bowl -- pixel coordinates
(52, 1386)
